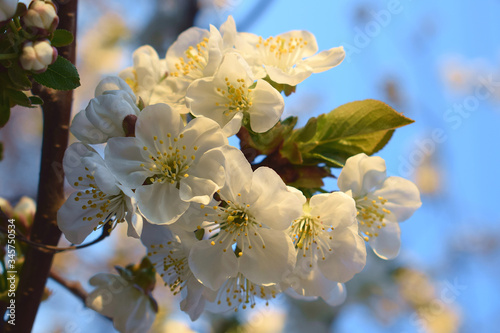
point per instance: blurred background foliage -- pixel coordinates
(437, 62)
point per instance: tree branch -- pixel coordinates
(56, 117)
(73, 287)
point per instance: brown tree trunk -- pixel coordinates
(56, 117)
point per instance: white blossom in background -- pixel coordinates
(197, 53)
(381, 202)
(168, 249)
(104, 116)
(231, 94)
(99, 198)
(37, 56)
(148, 80)
(130, 308)
(250, 226)
(168, 164)
(41, 15)
(7, 9)
(329, 249)
(288, 58)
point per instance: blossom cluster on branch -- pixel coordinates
(221, 231)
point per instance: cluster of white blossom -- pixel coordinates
(219, 233)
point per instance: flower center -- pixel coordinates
(309, 234)
(133, 82)
(194, 61)
(172, 265)
(108, 207)
(281, 52)
(237, 95)
(169, 159)
(235, 225)
(239, 290)
(371, 215)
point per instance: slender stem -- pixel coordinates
(8, 56)
(56, 116)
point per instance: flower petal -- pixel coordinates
(211, 265)
(361, 174)
(271, 258)
(113, 83)
(267, 108)
(70, 219)
(402, 195)
(348, 256)
(160, 203)
(85, 131)
(275, 207)
(388, 242)
(157, 120)
(124, 158)
(324, 60)
(336, 209)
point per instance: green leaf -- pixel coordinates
(61, 75)
(19, 78)
(61, 37)
(357, 127)
(17, 97)
(35, 100)
(269, 141)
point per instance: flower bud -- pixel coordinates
(38, 56)
(41, 17)
(7, 9)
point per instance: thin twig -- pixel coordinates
(54, 249)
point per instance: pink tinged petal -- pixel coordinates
(388, 242)
(291, 77)
(85, 131)
(70, 219)
(160, 203)
(124, 157)
(210, 265)
(267, 108)
(361, 174)
(276, 207)
(324, 60)
(271, 258)
(238, 178)
(402, 195)
(348, 255)
(113, 83)
(157, 120)
(336, 209)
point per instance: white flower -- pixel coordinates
(251, 226)
(381, 201)
(109, 114)
(99, 197)
(7, 9)
(168, 164)
(230, 95)
(148, 79)
(329, 249)
(131, 309)
(288, 58)
(38, 56)
(168, 250)
(41, 15)
(197, 53)
(239, 292)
